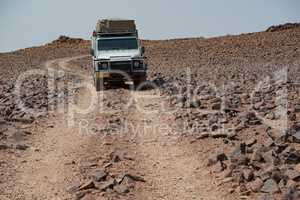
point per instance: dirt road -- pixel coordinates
(62, 155)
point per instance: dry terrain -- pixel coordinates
(221, 121)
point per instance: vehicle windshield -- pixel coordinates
(117, 44)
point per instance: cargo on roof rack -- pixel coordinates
(111, 26)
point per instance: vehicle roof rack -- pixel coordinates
(121, 33)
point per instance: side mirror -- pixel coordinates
(143, 50)
(92, 52)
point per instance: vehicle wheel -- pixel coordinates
(140, 80)
(99, 84)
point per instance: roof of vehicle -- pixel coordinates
(115, 25)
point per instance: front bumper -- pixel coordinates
(120, 76)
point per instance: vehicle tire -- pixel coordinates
(99, 84)
(140, 80)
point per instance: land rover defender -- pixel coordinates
(117, 54)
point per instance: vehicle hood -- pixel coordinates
(118, 54)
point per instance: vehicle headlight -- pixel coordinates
(104, 65)
(136, 64)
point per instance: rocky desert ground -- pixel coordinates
(221, 120)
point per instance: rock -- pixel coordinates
(195, 104)
(106, 185)
(271, 116)
(266, 171)
(218, 167)
(297, 168)
(22, 147)
(98, 175)
(277, 175)
(269, 157)
(250, 142)
(218, 134)
(216, 106)
(74, 188)
(221, 157)
(266, 197)
(248, 174)
(256, 185)
(269, 142)
(212, 161)
(270, 186)
(4, 146)
(282, 185)
(80, 195)
(296, 137)
(242, 189)
(256, 156)
(126, 181)
(116, 158)
(291, 156)
(297, 108)
(238, 152)
(25, 119)
(133, 177)
(88, 185)
(214, 127)
(121, 189)
(292, 174)
(291, 194)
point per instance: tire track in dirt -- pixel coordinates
(45, 171)
(173, 169)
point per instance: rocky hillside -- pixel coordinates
(239, 96)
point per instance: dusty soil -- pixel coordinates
(158, 143)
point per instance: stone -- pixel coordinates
(266, 197)
(297, 168)
(74, 188)
(106, 185)
(270, 186)
(248, 174)
(291, 194)
(88, 185)
(216, 106)
(282, 185)
(98, 175)
(269, 142)
(221, 157)
(121, 189)
(127, 181)
(195, 104)
(134, 177)
(218, 167)
(297, 108)
(292, 174)
(214, 127)
(271, 116)
(296, 137)
(269, 157)
(4, 146)
(22, 147)
(218, 134)
(277, 175)
(212, 161)
(256, 155)
(116, 158)
(256, 185)
(250, 142)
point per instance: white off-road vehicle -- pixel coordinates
(117, 53)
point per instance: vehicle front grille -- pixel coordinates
(121, 65)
